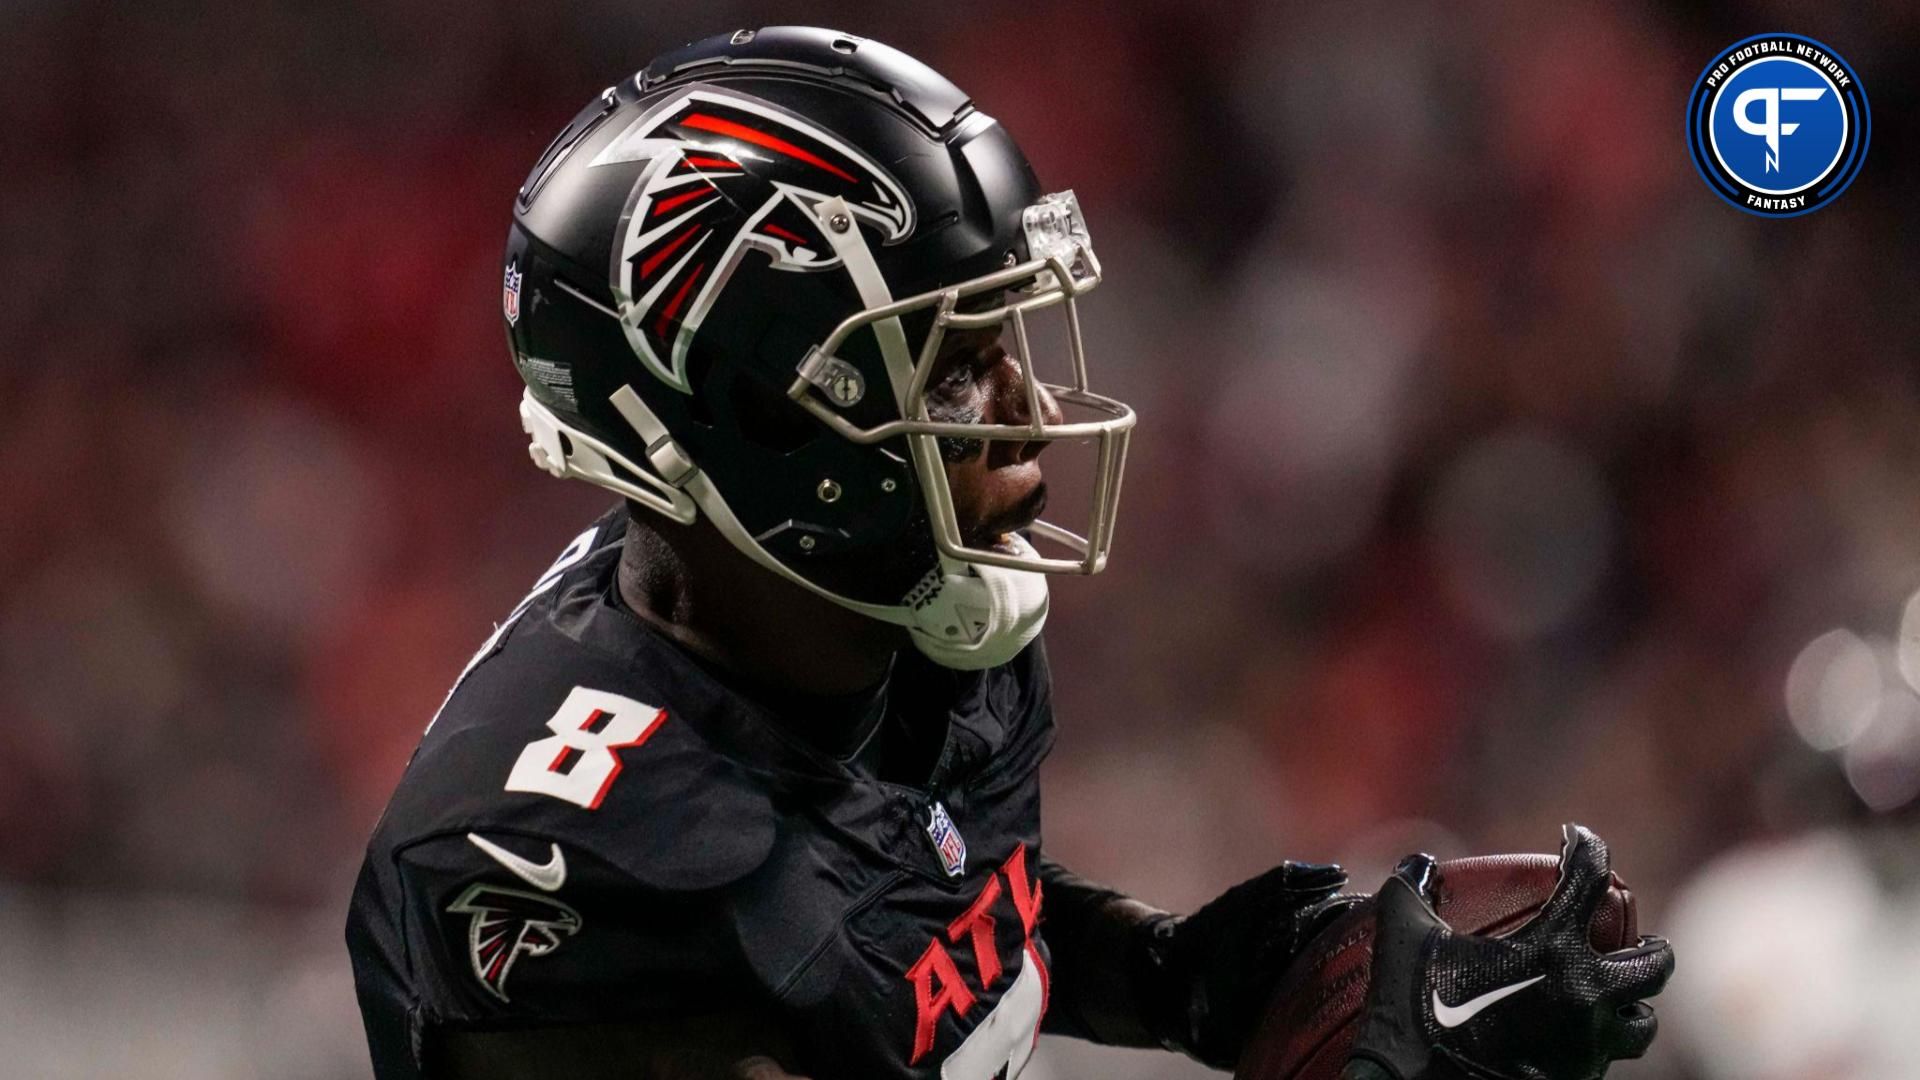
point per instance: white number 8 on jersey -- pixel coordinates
(581, 759)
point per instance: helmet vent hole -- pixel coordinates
(626, 474)
(845, 45)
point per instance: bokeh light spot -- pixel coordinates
(1833, 689)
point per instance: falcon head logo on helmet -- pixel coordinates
(698, 207)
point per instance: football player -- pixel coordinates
(747, 786)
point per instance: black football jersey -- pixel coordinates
(596, 828)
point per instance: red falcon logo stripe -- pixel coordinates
(791, 237)
(653, 261)
(660, 208)
(673, 305)
(760, 138)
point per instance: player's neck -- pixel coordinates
(699, 590)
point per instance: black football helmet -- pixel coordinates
(727, 282)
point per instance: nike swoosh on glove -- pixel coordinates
(1536, 1004)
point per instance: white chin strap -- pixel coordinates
(982, 616)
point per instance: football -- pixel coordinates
(1314, 1014)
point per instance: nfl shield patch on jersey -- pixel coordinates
(946, 841)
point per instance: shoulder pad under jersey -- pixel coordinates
(550, 737)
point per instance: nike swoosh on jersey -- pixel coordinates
(547, 878)
(1452, 1016)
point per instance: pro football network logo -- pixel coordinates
(1778, 125)
(724, 174)
(508, 924)
(510, 293)
(947, 842)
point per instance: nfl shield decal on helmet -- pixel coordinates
(510, 293)
(946, 841)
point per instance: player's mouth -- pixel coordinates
(997, 534)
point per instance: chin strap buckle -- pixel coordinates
(667, 459)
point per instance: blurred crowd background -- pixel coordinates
(1491, 473)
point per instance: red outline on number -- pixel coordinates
(592, 718)
(614, 748)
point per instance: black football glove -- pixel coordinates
(1207, 975)
(1537, 1004)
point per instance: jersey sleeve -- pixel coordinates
(514, 929)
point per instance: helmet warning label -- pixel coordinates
(551, 382)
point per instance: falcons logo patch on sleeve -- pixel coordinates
(507, 924)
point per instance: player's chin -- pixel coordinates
(1018, 502)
